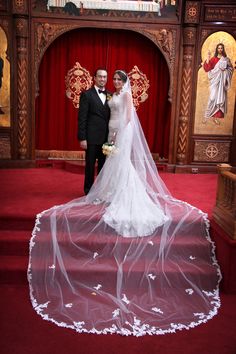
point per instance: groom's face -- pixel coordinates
(101, 78)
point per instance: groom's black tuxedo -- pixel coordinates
(93, 127)
(93, 118)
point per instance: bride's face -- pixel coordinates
(118, 83)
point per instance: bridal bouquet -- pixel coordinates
(108, 148)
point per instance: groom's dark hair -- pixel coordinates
(100, 68)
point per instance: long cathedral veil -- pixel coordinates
(128, 258)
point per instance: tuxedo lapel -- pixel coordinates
(99, 104)
(97, 98)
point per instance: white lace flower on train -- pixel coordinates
(95, 255)
(69, 305)
(156, 309)
(201, 315)
(116, 313)
(40, 307)
(151, 276)
(192, 258)
(208, 293)
(138, 329)
(124, 298)
(97, 287)
(78, 325)
(189, 291)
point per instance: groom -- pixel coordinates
(94, 114)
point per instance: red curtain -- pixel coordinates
(56, 117)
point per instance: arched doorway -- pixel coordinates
(56, 117)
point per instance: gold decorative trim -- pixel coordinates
(192, 12)
(185, 105)
(139, 86)
(22, 108)
(22, 87)
(73, 155)
(59, 155)
(79, 79)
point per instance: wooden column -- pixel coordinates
(22, 124)
(189, 39)
(191, 22)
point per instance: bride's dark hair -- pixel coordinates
(122, 74)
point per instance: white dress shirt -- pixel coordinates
(101, 95)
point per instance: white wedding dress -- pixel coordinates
(131, 211)
(128, 258)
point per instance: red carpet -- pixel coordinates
(26, 192)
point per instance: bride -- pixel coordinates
(127, 258)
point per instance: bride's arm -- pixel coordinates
(128, 106)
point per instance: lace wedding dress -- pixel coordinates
(132, 211)
(128, 258)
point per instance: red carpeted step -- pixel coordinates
(75, 166)
(16, 222)
(104, 271)
(13, 269)
(83, 246)
(14, 242)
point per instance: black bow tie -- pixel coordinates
(102, 91)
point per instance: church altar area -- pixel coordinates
(126, 5)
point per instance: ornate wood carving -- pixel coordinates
(22, 86)
(185, 99)
(3, 5)
(165, 39)
(40, 5)
(204, 34)
(220, 13)
(20, 6)
(192, 12)
(211, 151)
(184, 109)
(4, 24)
(45, 34)
(189, 36)
(5, 147)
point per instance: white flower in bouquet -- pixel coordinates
(108, 148)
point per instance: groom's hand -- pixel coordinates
(83, 144)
